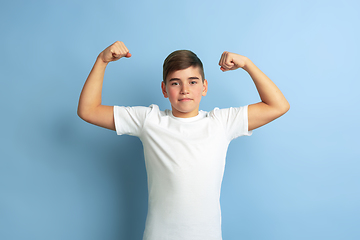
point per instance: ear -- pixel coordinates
(205, 87)
(163, 88)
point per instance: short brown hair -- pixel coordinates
(179, 60)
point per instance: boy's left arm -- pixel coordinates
(273, 103)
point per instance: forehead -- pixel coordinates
(185, 73)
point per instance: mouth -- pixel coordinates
(185, 99)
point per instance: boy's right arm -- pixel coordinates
(90, 108)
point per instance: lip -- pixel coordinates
(185, 99)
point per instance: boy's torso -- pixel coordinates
(185, 160)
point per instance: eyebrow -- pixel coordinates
(177, 79)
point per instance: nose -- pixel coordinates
(184, 89)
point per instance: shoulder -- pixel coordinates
(226, 113)
(137, 109)
(136, 113)
(131, 120)
(233, 119)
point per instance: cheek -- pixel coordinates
(172, 93)
(199, 92)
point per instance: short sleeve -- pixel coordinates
(130, 120)
(234, 120)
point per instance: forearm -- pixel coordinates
(269, 93)
(90, 96)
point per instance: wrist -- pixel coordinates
(100, 60)
(248, 64)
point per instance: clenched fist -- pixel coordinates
(232, 61)
(114, 52)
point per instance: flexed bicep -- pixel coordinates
(102, 116)
(260, 114)
(90, 106)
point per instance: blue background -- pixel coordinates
(62, 178)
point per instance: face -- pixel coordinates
(184, 88)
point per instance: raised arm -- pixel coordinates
(90, 108)
(273, 103)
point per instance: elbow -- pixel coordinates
(82, 114)
(287, 107)
(284, 108)
(281, 109)
(79, 113)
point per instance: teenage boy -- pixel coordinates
(185, 148)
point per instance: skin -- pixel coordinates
(273, 103)
(184, 88)
(90, 108)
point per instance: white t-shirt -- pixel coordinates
(185, 161)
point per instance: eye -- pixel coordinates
(193, 82)
(174, 83)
